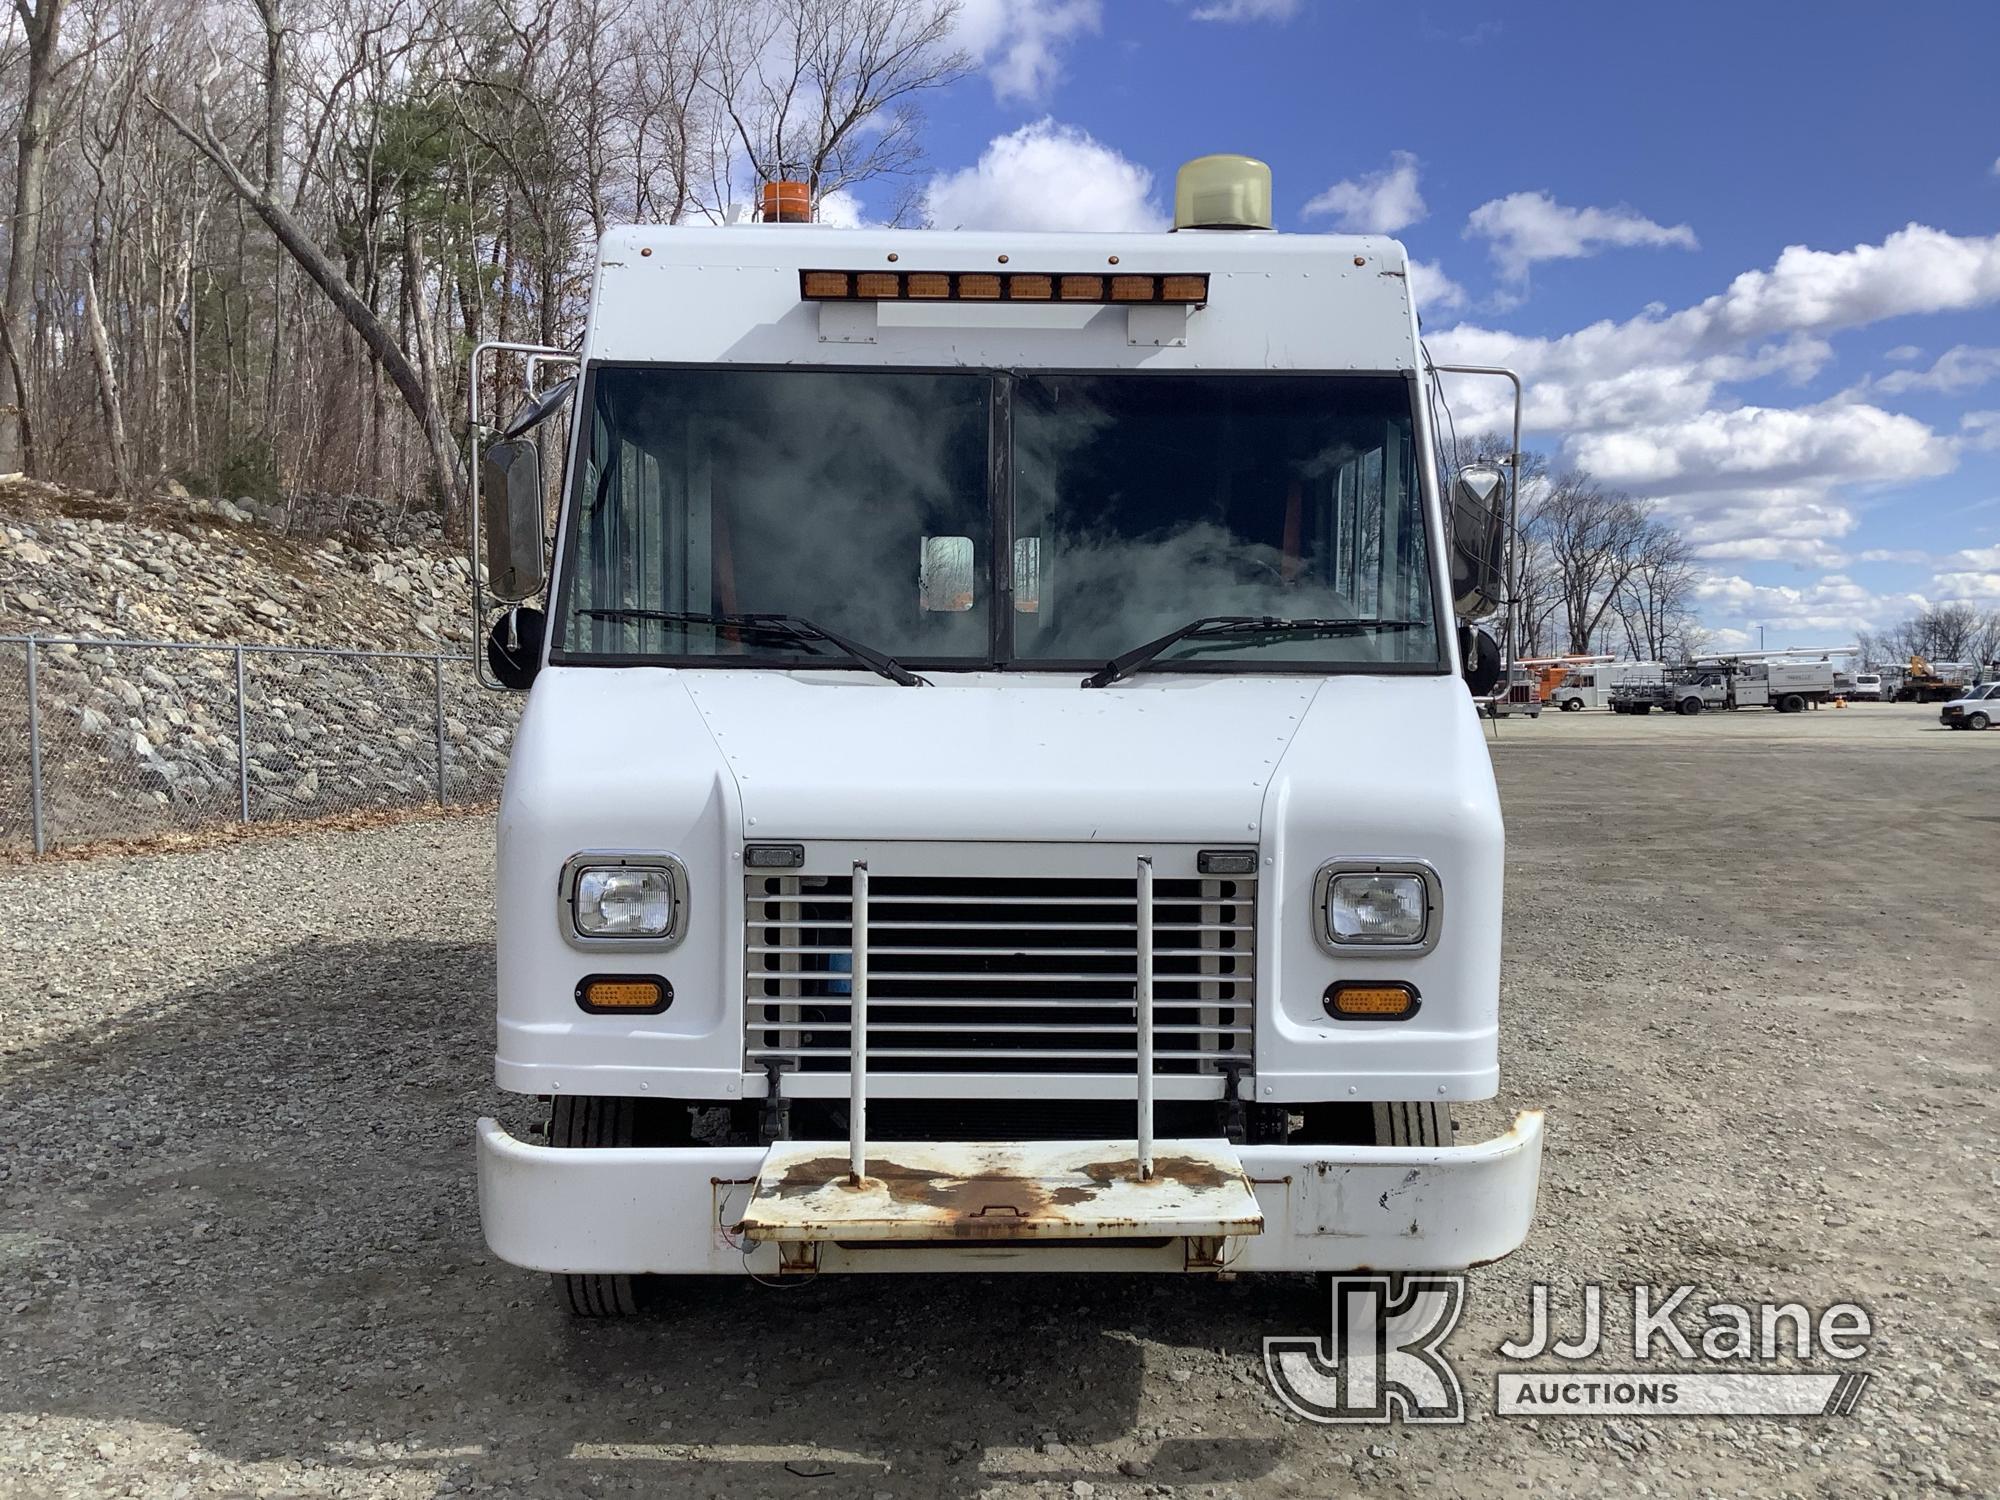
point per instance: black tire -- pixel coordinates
(586, 1122)
(1976, 721)
(1690, 706)
(1570, 705)
(1406, 1124)
(1794, 704)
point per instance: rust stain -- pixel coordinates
(988, 1204)
(1190, 1170)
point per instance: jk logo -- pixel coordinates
(1382, 1360)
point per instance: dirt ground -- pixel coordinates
(1750, 975)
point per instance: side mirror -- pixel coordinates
(514, 648)
(1479, 660)
(510, 495)
(1478, 540)
(944, 575)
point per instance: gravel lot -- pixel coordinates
(1750, 974)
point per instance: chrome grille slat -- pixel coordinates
(993, 973)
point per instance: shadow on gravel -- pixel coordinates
(249, 1215)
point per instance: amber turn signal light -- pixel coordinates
(1185, 288)
(1349, 1000)
(624, 994)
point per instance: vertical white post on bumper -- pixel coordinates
(1143, 996)
(857, 1029)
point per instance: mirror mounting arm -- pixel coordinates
(535, 356)
(1507, 647)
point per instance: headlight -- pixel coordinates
(624, 898)
(1372, 906)
(624, 903)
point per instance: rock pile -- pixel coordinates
(140, 738)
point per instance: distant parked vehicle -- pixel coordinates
(1976, 709)
(1935, 681)
(1788, 686)
(1867, 687)
(1591, 686)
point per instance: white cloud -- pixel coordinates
(1379, 203)
(1895, 555)
(1528, 227)
(1834, 603)
(1432, 290)
(1022, 44)
(1649, 398)
(1972, 576)
(1248, 10)
(841, 209)
(1774, 445)
(1904, 353)
(1958, 368)
(1046, 176)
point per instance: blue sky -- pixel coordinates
(1690, 226)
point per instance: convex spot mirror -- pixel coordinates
(1478, 540)
(1479, 660)
(944, 575)
(538, 409)
(510, 496)
(514, 647)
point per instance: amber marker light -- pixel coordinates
(624, 994)
(1350, 1000)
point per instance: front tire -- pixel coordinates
(1407, 1124)
(588, 1123)
(1977, 721)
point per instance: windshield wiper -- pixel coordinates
(1222, 625)
(784, 627)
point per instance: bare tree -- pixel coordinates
(1654, 602)
(251, 239)
(41, 23)
(828, 92)
(1595, 538)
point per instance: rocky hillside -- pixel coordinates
(136, 740)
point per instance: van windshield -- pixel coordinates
(981, 518)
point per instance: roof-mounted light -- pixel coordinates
(1183, 289)
(1223, 192)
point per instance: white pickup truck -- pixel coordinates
(996, 790)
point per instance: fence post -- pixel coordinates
(242, 745)
(35, 753)
(437, 679)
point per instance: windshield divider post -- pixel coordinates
(1000, 492)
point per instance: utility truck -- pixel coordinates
(1730, 682)
(1589, 684)
(998, 788)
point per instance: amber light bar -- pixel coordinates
(1182, 289)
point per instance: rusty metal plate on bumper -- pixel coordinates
(1006, 1190)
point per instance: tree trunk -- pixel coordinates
(107, 388)
(324, 274)
(43, 27)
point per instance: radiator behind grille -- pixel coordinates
(999, 974)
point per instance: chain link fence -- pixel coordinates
(132, 739)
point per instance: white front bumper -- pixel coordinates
(1325, 1208)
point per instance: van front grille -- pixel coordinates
(999, 974)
